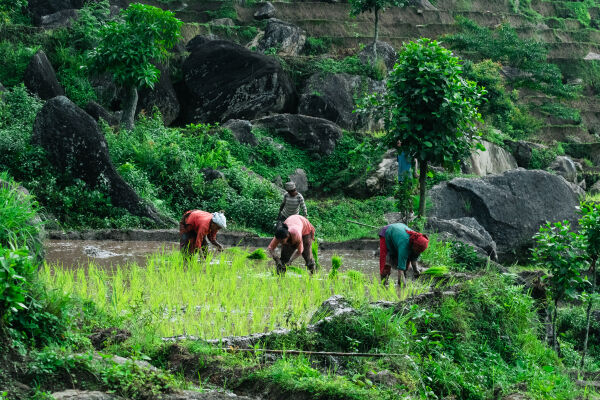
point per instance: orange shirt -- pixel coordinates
(298, 226)
(199, 222)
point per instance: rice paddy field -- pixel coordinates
(222, 295)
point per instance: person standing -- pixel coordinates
(292, 203)
(399, 247)
(196, 227)
(296, 235)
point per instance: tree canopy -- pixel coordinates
(430, 108)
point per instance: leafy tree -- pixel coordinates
(360, 6)
(129, 46)
(590, 227)
(562, 253)
(430, 109)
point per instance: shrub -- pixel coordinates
(542, 158)
(14, 61)
(465, 258)
(316, 46)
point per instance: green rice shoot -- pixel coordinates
(215, 297)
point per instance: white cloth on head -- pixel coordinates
(219, 219)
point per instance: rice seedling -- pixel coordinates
(336, 263)
(439, 270)
(258, 254)
(221, 295)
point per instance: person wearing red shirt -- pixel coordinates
(295, 235)
(196, 226)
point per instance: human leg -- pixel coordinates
(307, 241)
(384, 269)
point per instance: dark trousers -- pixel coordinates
(287, 251)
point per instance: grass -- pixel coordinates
(209, 298)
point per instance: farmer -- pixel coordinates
(296, 235)
(292, 201)
(399, 247)
(196, 226)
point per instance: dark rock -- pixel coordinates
(97, 111)
(385, 52)
(73, 394)
(385, 377)
(75, 145)
(300, 179)
(466, 230)
(331, 96)
(522, 151)
(106, 91)
(162, 97)
(198, 41)
(227, 81)
(595, 188)
(264, 10)
(222, 22)
(288, 39)
(333, 307)
(512, 73)
(104, 337)
(39, 8)
(511, 206)
(40, 77)
(315, 135)
(212, 174)
(59, 19)
(565, 167)
(242, 131)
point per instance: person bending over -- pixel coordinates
(399, 248)
(196, 227)
(295, 235)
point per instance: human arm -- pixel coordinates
(282, 204)
(212, 236)
(303, 205)
(271, 249)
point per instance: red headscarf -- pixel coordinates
(418, 241)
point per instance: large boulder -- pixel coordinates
(386, 174)
(565, 167)
(422, 4)
(300, 179)
(242, 131)
(162, 97)
(511, 206)
(39, 8)
(523, 151)
(466, 230)
(227, 81)
(40, 77)
(385, 52)
(98, 112)
(316, 135)
(494, 160)
(59, 19)
(595, 188)
(264, 11)
(286, 38)
(75, 145)
(331, 96)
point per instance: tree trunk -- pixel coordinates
(376, 35)
(129, 106)
(588, 313)
(422, 187)
(554, 333)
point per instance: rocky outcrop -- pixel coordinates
(285, 38)
(40, 77)
(385, 175)
(494, 160)
(466, 230)
(331, 96)
(73, 394)
(264, 11)
(511, 206)
(385, 52)
(226, 81)
(222, 22)
(316, 135)
(595, 188)
(162, 96)
(63, 18)
(422, 4)
(75, 145)
(300, 179)
(522, 151)
(98, 112)
(565, 167)
(39, 8)
(242, 131)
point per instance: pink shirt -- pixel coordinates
(298, 226)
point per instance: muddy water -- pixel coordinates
(78, 253)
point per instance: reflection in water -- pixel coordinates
(104, 253)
